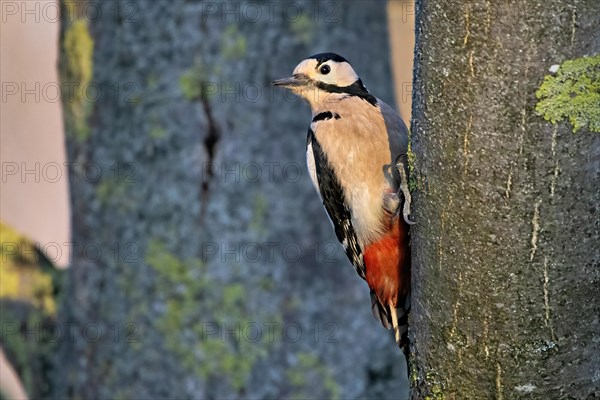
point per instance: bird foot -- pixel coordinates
(401, 167)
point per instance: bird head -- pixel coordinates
(321, 77)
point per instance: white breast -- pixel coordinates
(358, 147)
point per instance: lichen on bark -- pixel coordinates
(78, 49)
(572, 94)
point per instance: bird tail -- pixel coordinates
(403, 312)
(380, 312)
(383, 314)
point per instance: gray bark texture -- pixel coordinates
(506, 246)
(219, 275)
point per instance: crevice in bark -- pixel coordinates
(210, 145)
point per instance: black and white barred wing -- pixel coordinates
(332, 195)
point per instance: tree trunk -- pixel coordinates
(204, 264)
(506, 248)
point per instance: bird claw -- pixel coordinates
(405, 192)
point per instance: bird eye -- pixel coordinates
(325, 69)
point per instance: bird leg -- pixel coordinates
(401, 167)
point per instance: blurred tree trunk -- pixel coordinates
(192, 210)
(506, 249)
(401, 21)
(11, 386)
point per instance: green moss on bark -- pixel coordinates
(233, 43)
(572, 94)
(78, 48)
(216, 332)
(307, 372)
(28, 295)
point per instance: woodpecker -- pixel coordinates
(357, 160)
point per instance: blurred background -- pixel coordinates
(160, 234)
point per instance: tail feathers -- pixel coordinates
(380, 312)
(403, 329)
(383, 315)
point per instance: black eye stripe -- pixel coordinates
(325, 69)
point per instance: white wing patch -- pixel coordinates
(345, 243)
(312, 169)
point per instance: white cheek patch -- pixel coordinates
(341, 75)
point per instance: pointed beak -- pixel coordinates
(292, 81)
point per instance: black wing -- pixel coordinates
(333, 200)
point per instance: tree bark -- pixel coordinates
(218, 275)
(506, 246)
